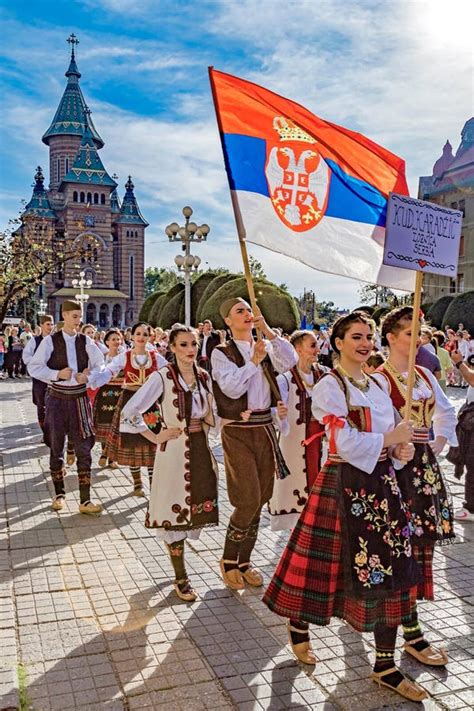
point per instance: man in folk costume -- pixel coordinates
(245, 389)
(65, 361)
(39, 387)
(208, 341)
(301, 440)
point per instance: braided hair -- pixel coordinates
(343, 324)
(394, 321)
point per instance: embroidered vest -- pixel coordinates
(422, 410)
(58, 358)
(230, 408)
(133, 375)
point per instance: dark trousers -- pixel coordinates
(13, 362)
(469, 484)
(61, 422)
(39, 399)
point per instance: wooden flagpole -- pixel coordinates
(414, 337)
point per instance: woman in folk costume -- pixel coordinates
(137, 365)
(183, 496)
(420, 480)
(301, 440)
(349, 555)
(107, 397)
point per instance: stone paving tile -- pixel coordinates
(99, 626)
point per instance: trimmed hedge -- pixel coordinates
(173, 310)
(379, 313)
(148, 304)
(460, 310)
(436, 313)
(155, 312)
(211, 288)
(277, 306)
(197, 291)
(366, 309)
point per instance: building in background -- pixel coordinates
(452, 185)
(82, 205)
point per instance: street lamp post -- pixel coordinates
(186, 234)
(42, 307)
(82, 284)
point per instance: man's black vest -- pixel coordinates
(58, 358)
(230, 408)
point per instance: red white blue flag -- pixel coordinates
(304, 187)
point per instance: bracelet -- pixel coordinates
(458, 365)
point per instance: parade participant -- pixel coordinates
(208, 341)
(245, 388)
(421, 481)
(107, 398)
(183, 497)
(301, 440)
(65, 360)
(349, 555)
(39, 387)
(137, 365)
(464, 459)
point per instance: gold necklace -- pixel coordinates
(363, 385)
(399, 377)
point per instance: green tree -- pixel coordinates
(160, 279)
(326, 312)
(256, 268)
(377, 295)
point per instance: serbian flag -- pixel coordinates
(304, 187)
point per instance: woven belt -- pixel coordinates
(195, 425)
(257, 417)
(421, 434)
(66, 392)
(336, 459)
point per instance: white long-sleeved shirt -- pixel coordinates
(28, 351)
(444, 416)
(38, 369)
(131, 419)
(361, 449)
(250, 378)
(117, 364)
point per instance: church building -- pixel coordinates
(82, 205)
(452, 185)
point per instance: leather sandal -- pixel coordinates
(70, 458)
(137, 492)
(431, 656)
(102, 460)
(406, 688)
(232, 578)
(303, 650)
(252, 576)
(184, 590)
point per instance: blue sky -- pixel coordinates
(401, 73)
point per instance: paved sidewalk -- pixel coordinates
(89, 620)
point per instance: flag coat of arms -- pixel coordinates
(304, 187)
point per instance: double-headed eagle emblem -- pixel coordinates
(298, 177)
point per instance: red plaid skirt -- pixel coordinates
(309, 582)
(424, 557)
(130, 449)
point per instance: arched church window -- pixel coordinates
(89, 197)
(59, 169)
(95, 254)
(96, 198)
(102, 199)
(74, 196)
(67, 165)
(83, 196)
(128, 233)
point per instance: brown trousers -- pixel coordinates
(250, 471)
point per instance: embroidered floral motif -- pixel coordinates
(426, 480)
(152, 418)
(376, 513)
(204, 507)
(134, 419)
(370, 570)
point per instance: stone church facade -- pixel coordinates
(452, 185)
(82, 205)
